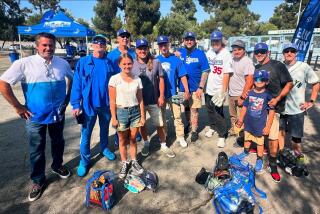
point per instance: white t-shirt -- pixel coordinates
(126, 92)
(301, 74)
(220, 63)
(241, 67)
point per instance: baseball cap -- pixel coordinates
(141, 42)
(261, 46)
(162, 39)
(261, 74)
(189, 35)
(239, 43)
(122, 32)
(99, 37)
(216, 35)
(290, 45)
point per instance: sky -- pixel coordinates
(84, 8)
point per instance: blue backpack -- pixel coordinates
(236, 195)
(99, 189)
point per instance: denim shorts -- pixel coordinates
(128, 117)
(292, 124)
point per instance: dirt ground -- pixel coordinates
(177, 192)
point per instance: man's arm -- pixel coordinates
(8, 94)
(313, 97)
(161, 89)
(186, 87)
(248, 85)
(202, 83)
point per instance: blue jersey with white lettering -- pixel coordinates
(173, 69)
(114, 55)
(196, 63)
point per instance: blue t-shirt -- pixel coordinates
(173, 69)
(257, 112)
(113, 56)
(196, 63)
(100, 80)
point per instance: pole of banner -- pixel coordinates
(87, 45)
(299, 12)
(20, 46)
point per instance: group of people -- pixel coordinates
(267, 100)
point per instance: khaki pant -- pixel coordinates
(274, 130)
(176, 112)
(234, 110)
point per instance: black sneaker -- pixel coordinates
(137, 167)
(62, 172)
(124, 170)
(35, 192)
(194, 136)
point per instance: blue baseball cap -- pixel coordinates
(290, 45)
(162, 39)
(261, 46)
(189, 35)
(141, 42)
(122, 32)
(216, 35)
(261, 74)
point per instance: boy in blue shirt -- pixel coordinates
(257, 117)
(173, 70)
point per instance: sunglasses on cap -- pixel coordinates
(260, 79)
(260, 52)
(99, 42)
(291, 50)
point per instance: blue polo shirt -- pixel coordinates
(196, 63)
(173, 69)
(113, 56)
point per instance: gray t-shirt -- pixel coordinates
(301, 74)
(241, 68)
(150, 80)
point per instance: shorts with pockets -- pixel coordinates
(128, 117)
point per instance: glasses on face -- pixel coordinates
(260, 79)
(99, 42)
(49, 70)
(260, 52)
(290, 50)
(142, 48)
(124, 36)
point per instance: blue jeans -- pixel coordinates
(36, 134)
(104, 119)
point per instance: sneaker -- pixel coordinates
(259, 166)
(124, 170)
(145, 150)
(242, 155)
(82, 170)
(221, 142)
(108, 154)
(275, 175)
(137, 167)
(194, 136)
(62, 172)
(186, 129)
(166, 150)
(210, 133)
(183, 142)
(253, 151)
(35, 192)
(265, 152)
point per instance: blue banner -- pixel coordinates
(304, 31)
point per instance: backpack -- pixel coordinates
(237, 195)
(99, 189)
(290, 164)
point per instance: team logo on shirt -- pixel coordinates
(191, 60)
(256, 105)
(166, 66)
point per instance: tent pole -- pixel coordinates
(20, 45)
(87, 45)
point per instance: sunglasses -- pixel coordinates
(260, 52)
(49, 71)
(142, 48)
(290, 50)
(259, 79)
(124, 36)
(99, 42)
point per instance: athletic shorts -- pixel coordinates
(249, 137)
(292, 124)
(194, 101)
(155, 114)
(128, 117)
(274, 130)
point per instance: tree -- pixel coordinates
(187, 8)
(41, 6)
(106, 11)
(83, 22)
(286, 14)
(232, 17)
(136, 11)
(264, 27)
(11, 15)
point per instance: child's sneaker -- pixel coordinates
(124, 170)
(253, 151)
(183, 142)
(221, 142)
(259, 166)
(210, 133)
(137, 167)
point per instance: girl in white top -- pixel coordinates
(127, 112)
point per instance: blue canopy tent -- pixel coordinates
(59, 25)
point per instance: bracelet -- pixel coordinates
(242, 98)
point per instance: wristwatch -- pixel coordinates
(201, 87)
(311, 101)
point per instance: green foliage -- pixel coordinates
(41, 6)
(187, 8)
(136, 11)
(264, 27)
(83, 22)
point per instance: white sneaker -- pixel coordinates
(183, 143)
(221, 142)
(167, 151)
(210, 133)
